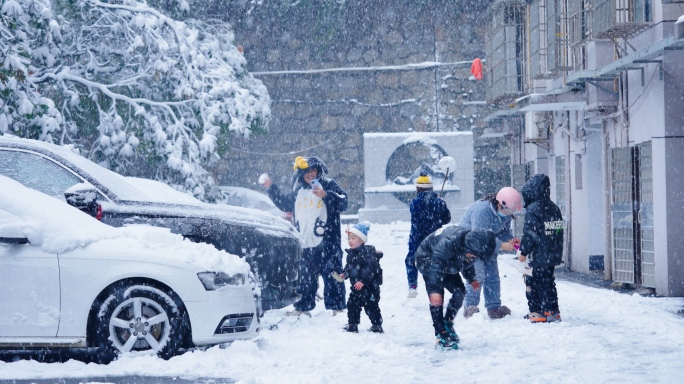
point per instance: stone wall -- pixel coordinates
(326, 113)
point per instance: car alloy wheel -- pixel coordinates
(139, 324)
(138, 318)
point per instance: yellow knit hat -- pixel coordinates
(300, 163)
(423, 181)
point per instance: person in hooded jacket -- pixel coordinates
(440, 258)
(428, 213)
(316, 201)
(363, 270)
(542, 242)
(493, 212)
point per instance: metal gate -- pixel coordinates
(622, 212)
(632, 212)
(645, 215)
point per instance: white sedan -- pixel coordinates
(68, 281)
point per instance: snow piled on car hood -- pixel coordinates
(57, 227)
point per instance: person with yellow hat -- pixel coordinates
(428, 213)
(316, 201)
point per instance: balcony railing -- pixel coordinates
(505, 46)
(621, 18)
(559, 57)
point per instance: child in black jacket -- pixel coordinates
(542, 242)
(363, 269)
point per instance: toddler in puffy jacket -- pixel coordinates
(364, 272)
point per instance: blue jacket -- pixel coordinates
(428, 213)
(482, 215)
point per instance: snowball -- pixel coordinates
(447, 162)
(263, 178)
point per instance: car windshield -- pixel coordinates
(120, 187)
(114, 182)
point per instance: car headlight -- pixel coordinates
(217, 280)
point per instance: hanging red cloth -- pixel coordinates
(476, 69)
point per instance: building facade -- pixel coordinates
(591, 93)
(337, 70)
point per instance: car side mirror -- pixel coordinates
(83, 196)
(12, 234)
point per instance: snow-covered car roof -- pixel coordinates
(57, 227)
(157, 198)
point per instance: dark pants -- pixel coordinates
(452, 283)
(411, 270)
(314, 263)
(541, 290)
(367, 298)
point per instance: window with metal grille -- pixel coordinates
(560, 184)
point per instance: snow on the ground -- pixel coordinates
(604, 337)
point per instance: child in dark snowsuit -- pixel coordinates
(440, 258)
(428, 213)
(542, 242)
(363, 269)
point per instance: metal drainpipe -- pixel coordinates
(568, 197)
(607, 200)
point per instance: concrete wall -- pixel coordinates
(670, 175)
(381, 204)
(326, 114)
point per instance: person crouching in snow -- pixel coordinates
(439, 258)
(542, 242)
(316, 201)
(363, 269)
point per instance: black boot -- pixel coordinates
(437, 313)
(351, 328)
(377, 328)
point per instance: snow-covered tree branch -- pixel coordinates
(28, 37)
(136, 88)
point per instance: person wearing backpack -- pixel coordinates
(363, 270)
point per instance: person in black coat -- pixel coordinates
(440, 258)
(428, 213)
(542, 242)
(363, 270)
(316, 202)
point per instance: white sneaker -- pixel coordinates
(297, 313)
(412, 293)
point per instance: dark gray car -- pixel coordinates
(270, 245)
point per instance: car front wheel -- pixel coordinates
(140, 318)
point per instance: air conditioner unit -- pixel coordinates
(536, 127)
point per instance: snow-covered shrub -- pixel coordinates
(28, 44)
(141, 93)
